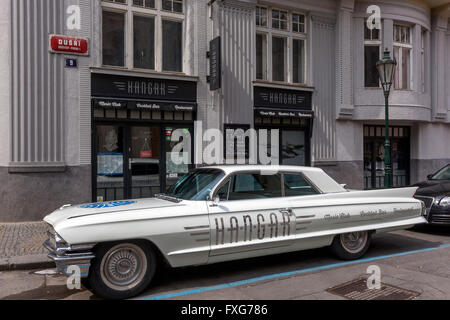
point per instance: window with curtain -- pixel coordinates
(402, 53)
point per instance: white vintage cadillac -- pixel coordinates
(222, 213)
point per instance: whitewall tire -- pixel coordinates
(351, 246)
(122, 270)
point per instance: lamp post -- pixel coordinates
(386, 70)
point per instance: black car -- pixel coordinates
(435, 192)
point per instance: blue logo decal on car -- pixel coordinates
(110, 204)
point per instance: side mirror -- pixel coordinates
(215, 201)
(430, 176)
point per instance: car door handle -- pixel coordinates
(288, 211)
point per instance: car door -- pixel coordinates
(299, 192)
(251, 218)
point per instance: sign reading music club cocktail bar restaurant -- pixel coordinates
(68, 45)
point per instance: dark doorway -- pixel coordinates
(374, 155)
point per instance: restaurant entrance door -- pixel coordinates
(135, 161)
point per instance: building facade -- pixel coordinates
(100, 126)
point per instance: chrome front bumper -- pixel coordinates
(66, 256)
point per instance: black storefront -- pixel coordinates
(290, 112)
(133, 122)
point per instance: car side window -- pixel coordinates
(255, 186)
(296, 185)
(223, 192)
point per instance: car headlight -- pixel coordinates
(445, 202)
(55, 239)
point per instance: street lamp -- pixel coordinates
(386, 70)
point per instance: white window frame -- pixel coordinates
(401, 24)
(410, 47)
(264, 57)
(288, 21)
(290, 35)
(287, 58)
(268, 19)
(114, 9)
(147, 15)
(373, 43)
(171, 11)
(129, 9)
(423, 40)
(291, 53)
(143, 7)
(292, 22)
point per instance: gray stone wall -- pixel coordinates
(350, 173)
(32, 196)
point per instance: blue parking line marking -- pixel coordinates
(288, 274)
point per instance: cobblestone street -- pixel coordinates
(22, 239)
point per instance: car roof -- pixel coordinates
(317, 176)
(239, 168)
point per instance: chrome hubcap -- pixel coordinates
(124, 266)
(354, 242)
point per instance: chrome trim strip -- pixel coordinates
(196, 227)
(65, 257)
(200, 234)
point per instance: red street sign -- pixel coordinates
(69, 45)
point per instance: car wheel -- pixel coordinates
(122, 270)
(351, 246)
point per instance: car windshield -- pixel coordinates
(196, 185)
(443, 174)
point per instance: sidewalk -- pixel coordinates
(21, 246)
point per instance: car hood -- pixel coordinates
(92, 209)
(433, 188)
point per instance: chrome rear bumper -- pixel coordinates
(66, 256)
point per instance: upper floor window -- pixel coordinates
(371, 34)
(281, 48)
(144, 3)
(279, 19)
(372, 49)
(402, 34)
(173, 5)
(261, 56)
(113, 38)
(261, 17)
(402, 52)
(298, 23)
(422, 59)
(143, 34)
